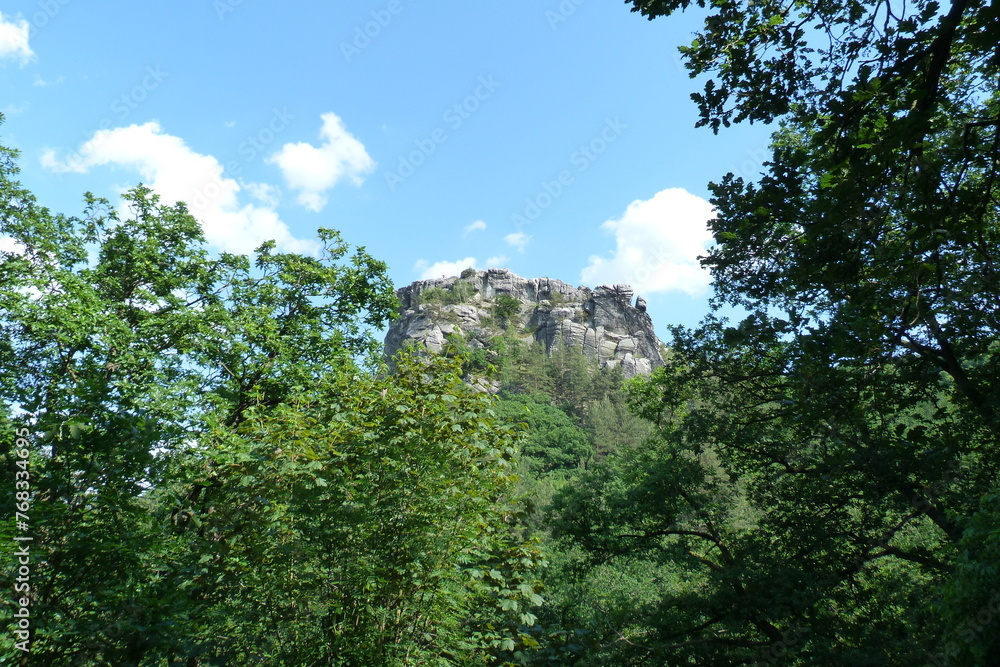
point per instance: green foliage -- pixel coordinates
(613, 427)
(437, 295)
(566, 375)
(573, 415)
(820, 486)
(528, 370)
(552, 440)
(704, 503)
(557, 298)
(506, 349)
(505, 308)
(387, 499)
(222, 473)
(971, 601)
(463, 291)
(571, 374)
(115, 365)
(478, 360)
(460, 292)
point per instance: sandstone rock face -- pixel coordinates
(604, 323)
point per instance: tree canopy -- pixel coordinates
(824, 483)
(222, 471)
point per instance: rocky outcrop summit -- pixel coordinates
(604, 322)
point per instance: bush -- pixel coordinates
(459, 292)
(505, 307)
(462, 291)
(552, 441)
(433, 295)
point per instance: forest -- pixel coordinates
(211, 463)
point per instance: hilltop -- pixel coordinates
(607, 323)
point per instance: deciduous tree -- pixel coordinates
(223, 473)
(827, 464)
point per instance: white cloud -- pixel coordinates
(312, 171)
(476, 226)
(168, 166)
(14, 109)
(14, 40)
(447, 269)
(443, 268)
(11, 245)
(657, 243)
(265, 193)
(498, 262)
(40, 82)
(517, 240)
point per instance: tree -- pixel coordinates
(827, 465)
(364, 521)
(155, 382)
(505, 308)
(613, 426)
(765, 534)
(115, 364)
(552, 440)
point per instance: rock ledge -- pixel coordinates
(605, 323)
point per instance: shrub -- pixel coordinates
(505, 307)
(434, 295)
(460, 292)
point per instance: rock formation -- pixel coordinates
(602, 322)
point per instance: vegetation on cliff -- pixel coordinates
(219, 468)
(215, 468)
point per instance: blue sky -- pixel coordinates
(554, 138)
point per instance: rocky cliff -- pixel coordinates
(604, 322)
